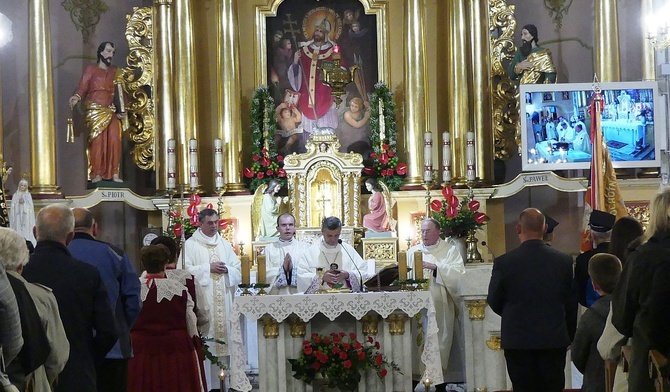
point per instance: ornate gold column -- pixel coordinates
(648, 53)
(607, 66)
(481, 89)
(416, 108)
(185, 91)
(163, 94)
(228, 94)
(40, 92)
(458, 88)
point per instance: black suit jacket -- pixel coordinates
(530, 289)
(84, 309)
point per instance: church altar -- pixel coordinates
(285, 321)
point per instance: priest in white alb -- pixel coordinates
(281, 257)
(444, 268)
(343, 266)
(212, 261)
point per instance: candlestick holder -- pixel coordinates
(219, 201)
(427, 384)
(242, 254)
(222, 379)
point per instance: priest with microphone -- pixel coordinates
(343, 265)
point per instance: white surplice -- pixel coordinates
(274, 264)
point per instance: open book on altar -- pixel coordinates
(383, 280)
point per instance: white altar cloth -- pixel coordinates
(280, 307)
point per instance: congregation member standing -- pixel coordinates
(211, 259)
(343, 265)
(445, 269)
(82, 299)
(281, 257)
(640, 300)
(11, 340)
(14, 256)
(123, 289)
(165, 357)
(600, 225)
(530, 289)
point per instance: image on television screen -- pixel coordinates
(556, 125)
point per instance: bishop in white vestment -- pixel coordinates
(444, 268)
(329, 250)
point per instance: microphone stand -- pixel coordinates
(339, 241)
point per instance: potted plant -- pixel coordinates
(338, 360)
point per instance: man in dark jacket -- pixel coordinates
(123, 288)
(81, 295)
(600, 224)
(530, 289)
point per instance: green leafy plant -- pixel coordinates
(267, 163)
(339, 359)
(457, 217)
(385, 165)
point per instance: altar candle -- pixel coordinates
(260, 260)
(402, 265)
(428, 157)
(418, 265)
(470, 156)
(193, 162)
(382, 124)
(218, 163)
(446, 157)
(171, 165)
(245, 269)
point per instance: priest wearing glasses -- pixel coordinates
(343, 266)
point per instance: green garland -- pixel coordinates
(385, 166)
(267, 164)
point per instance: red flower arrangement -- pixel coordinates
(186, 226)
(457, 217)
(339, 359)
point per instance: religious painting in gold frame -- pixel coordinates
(355, 42)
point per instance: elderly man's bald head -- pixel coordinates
(531, 223)
(55, 222)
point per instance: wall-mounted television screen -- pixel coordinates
(555, 125)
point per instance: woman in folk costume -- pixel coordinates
(165, 357)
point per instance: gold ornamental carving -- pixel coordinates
(505, 100)
(323, 182)
(137, 82)
(370, 324)
(270, 327)
(494, 343)
(297, 326)
(397, 323)
(476, 308)
(383, 250)
(639, 210)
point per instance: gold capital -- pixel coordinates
(298, 327)
(370, 323)
(476, 308)
(397, 323)
(270, 327)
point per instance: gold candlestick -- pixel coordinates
(260, 260)
(418, 265)
(402, 266)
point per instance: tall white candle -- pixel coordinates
(218, 163)
(171, 165)
(382, 124)
(470, 156)
(446, 156)
(193, 163)
(428, 157)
